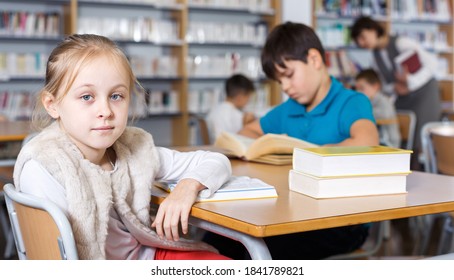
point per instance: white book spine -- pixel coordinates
(346, 186)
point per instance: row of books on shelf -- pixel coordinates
(339, 64)
(350, 8)
(253, 5)
(338, 35)
(429, 39)
(139, 29)
(200, 101)
(212, 32)
(22, 65)
(162, 101)
(25, 65)
(256, 5)
(334, 35)
(154, 102)
(149, 2)
(24, 23)
(224, 66)
(431, 10)
(16, 105)
(159, 66)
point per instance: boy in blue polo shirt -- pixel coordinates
(320, 110)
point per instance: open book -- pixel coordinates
(237, 187)
(270, 148)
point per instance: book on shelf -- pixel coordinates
(351, 160)
(236, 188)
(347, 186)
(270, 148)
(408, 60)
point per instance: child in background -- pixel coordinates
(320, 110)
(418, 92)
(228, 115)
(368, 82)
(99, 171)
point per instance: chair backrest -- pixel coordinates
(407, 125)
(203, 129)
(41, 230)
(437, 140)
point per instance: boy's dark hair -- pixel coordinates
(365, 23)
(289, 41)
(370, 75)
(238, 84)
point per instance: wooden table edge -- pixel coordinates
(321, 223)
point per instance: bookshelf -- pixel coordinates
(428, 21)
(162, 40)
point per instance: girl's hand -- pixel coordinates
(176, 208)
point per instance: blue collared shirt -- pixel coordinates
(328, 123)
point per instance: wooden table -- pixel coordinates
(293, 212)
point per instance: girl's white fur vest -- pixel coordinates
(92, 191)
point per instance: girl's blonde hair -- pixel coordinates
(66, 61)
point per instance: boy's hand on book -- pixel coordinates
(176, 208)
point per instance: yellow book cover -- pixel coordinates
(269, 148)
(355, 150)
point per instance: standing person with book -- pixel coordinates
(321, 111)
(368, 82)
(229, 115)
(99, 171)
(417, 91)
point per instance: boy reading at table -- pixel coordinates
(229, 115)
(320, 110)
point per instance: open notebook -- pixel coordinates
(236, 188)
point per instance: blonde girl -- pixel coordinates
(99, 171)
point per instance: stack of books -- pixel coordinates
(328, 172)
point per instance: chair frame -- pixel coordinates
(431, 166)
(427, 145)
(9, 248)
(411, 127)
(66, 242)
(6, 228)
